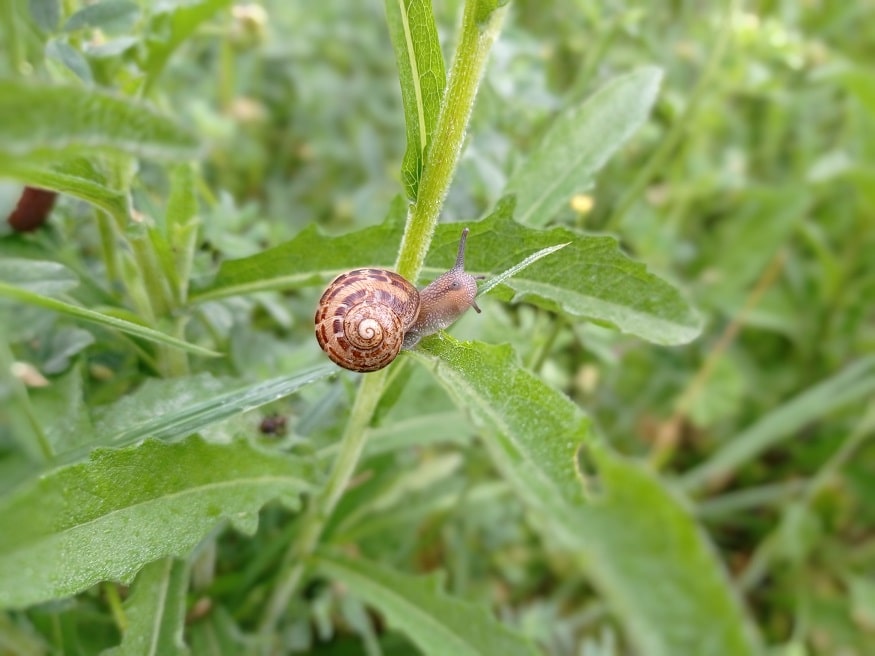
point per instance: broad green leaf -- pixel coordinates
(32, 298)
(658, 568)
(589, 278)
(423, 78)
(156, 611)
(37, 276)
(853, 384)
(580, 141)
(39, 120)
(436, 623)
(310, 258)
(104, 519)
(74, 176)
(535, 431)
(642, 547)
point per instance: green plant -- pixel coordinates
(169, 308)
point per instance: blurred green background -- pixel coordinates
(752, 187)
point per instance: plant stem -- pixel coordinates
(369, 393)
(107, 245)
(479, 30)
(443, 154)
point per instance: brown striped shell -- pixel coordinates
(362, 318)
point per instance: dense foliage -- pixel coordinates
(653, 440)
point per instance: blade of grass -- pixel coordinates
(10, 291)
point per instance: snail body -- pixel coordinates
(366, 316)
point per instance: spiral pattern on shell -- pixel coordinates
(362, 318)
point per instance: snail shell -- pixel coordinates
(367, 316)
(363, 316)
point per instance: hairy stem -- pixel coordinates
(478, 35)
(479, 30)
(369, 393)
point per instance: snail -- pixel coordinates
(366, 316)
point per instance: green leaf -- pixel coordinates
(104, 519)
(423, 79)
(579, 143)
(590, 278)
(75, 176)
(45, 13)
(854, 383)
(485, 8)
(437, 624)
(37, 121)
(109, 15)
(60, 408)
(135, 329)
(37, 276)
(72, 61)
(535, 432)
(171, 25)
(156, 611)
(176, 249)
(165, 409)
(659, 570)
(310, 258)
(217, 634)
(643, 549)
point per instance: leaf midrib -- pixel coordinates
(256, 482)
(414, 71)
